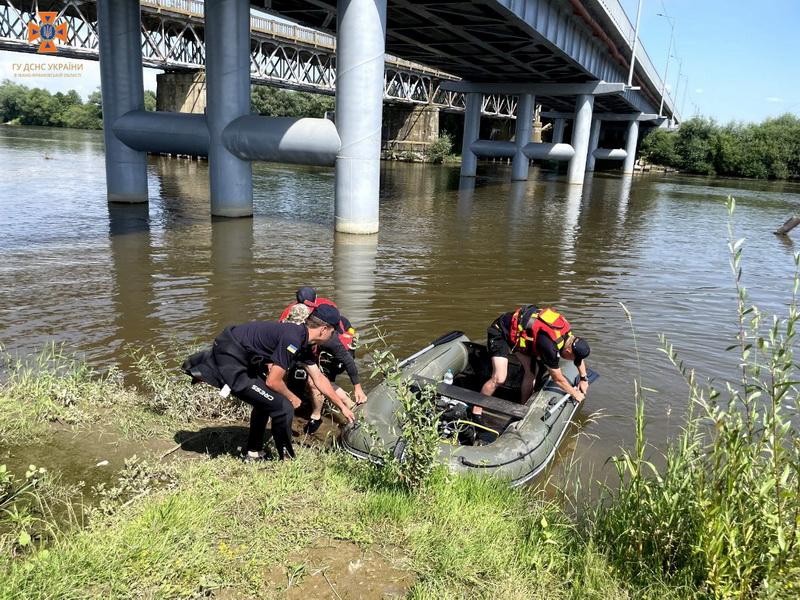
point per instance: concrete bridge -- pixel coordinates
(569, 56)
(282, 54)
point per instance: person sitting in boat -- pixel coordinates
(540, 335)
(241, 357)
(331, 358)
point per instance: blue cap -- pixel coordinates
(307, 295)
(580, 348)
(330, 315)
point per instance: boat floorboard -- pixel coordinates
(491, 403)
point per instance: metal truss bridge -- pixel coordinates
(281, 54)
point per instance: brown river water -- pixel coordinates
(451, 254)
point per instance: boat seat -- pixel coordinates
(490, 403)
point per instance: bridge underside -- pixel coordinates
(477, 41)
(560, 54)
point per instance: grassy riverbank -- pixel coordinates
(246, 531)
(720, 518)
(184, 524)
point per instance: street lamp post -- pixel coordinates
(635, 43)
(685, 89)
(677, 87)
(669, 55)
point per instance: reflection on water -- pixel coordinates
(452, 254)
(354, 273)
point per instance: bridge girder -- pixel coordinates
(173, 40)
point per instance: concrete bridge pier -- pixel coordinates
(360, 47)
(630, 147)
(410, 127)
(558, 130)
(520, 162)
(227, 27)
(472, 129)
(121, 83)
(181, 92)
(594, 142)
(580, 138)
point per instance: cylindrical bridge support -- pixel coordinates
(522, 136)
(580, 138)
(558, 130)
(119, 35)
(472, 128)
(630, 146)
(227, 30)
(594, 141)
(360, 46)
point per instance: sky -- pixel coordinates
(738, 56)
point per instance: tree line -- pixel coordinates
(767, 150)
(21, 105)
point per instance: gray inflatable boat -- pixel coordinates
(518, 440)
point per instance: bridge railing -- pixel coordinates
(617, 14)
(288, 31)
(192, 7)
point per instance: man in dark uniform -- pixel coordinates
(240, 357)
(540, 335)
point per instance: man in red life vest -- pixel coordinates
(333, 357)
(338, 353)
(540, 335)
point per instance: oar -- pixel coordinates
(590, 375)
(447, 337)
(551, 411)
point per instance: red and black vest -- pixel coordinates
(527, 321)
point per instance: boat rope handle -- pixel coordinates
(479, 426)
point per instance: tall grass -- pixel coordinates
(33, 511)
(412, 460)
(722, 516)
(167, 391)
(51, 386)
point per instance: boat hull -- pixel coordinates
(524, 447)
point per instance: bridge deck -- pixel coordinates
(507, 41)
(503, 41)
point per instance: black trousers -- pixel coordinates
(236, 369)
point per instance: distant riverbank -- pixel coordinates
(768, 150)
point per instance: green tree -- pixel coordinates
(658, 147)
(730, 150)
(695, 144)
(12, 99)
(82, 116)
(40, 108)
(149, 100)
(96, 100)
(275, 102)
(769, 150)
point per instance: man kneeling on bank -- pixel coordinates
(243, 355)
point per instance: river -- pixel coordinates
(451, 254)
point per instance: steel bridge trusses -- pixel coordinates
(281, 54)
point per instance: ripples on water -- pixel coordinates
(450, 254)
